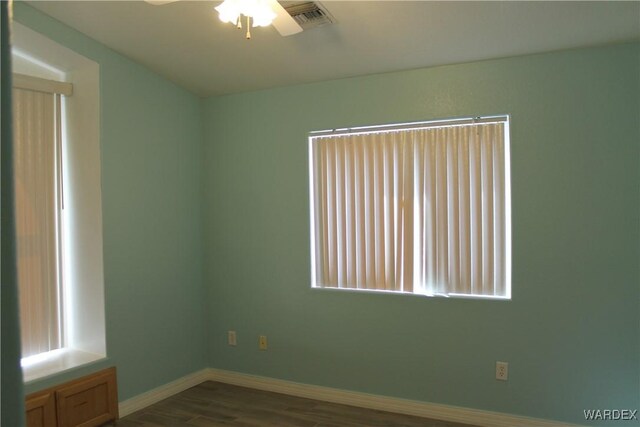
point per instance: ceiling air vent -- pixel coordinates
(308, 14)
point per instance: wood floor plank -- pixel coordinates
(213, 404)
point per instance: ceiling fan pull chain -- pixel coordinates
(248, 28)
(239, 23)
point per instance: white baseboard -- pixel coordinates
(382, 403)
(363, 400)
(157, 394)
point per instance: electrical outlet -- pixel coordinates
(262, 342)
(502, 371)
(231, 338)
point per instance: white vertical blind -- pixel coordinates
(419, 210)
(37, 191)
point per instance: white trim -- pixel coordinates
(434, 411)
(157, 394)
(383, 403)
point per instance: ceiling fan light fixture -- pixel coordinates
(259, 11)
(263, 15)
(229, 11)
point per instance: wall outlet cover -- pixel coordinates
(231, 338)
(502, 371)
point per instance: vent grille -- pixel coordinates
(309, 14)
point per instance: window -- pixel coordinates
(38, 198)
(420, 208)
(67, 310)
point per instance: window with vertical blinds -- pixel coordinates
(419, 208)
(59, 211)
(37, 127)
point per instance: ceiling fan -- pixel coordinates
(266, 12)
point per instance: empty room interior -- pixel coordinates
(427, 209)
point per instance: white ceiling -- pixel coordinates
(186, 43)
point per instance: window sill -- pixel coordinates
(386, 292)
(54, 362)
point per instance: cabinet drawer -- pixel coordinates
(41, 410)
(90, 401)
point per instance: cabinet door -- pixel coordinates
(90, 401)
(41, 410)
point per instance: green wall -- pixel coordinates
(151, 140)
(571, 332)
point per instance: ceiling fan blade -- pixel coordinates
(159, 2)
(284, 23)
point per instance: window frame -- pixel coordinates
(84, 296)
(505, 119)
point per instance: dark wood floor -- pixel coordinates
(217, 404)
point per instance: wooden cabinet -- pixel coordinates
(85, 402)
(41, 409)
